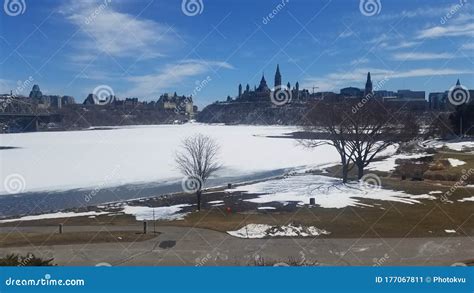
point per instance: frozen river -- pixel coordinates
(52, 170)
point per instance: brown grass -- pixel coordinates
(15, 239)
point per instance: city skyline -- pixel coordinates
(166, 48)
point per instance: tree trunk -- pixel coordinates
(345, 172)
(360, 170)
(198, 193)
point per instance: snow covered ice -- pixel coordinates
(50, 161)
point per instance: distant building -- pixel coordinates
(437, 101)
(179, 104)
(411, 95)
(67, 100)
(262, 93)
(351, 92)
(36, 92)
(48, 101)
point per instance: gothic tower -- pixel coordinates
(263, 87)
(297, 89)
(368, 86)
(240, 90)
(277, 77)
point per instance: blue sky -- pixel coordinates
(143, 48)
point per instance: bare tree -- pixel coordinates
(197, 160)
(359, 132)
(373, 128)
(325, 125)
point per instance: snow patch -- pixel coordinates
(449, 231)
(435, 192)
(389, 164)
(456, 162)
(143, 213)
(328, 192)
(215, 201)
(467, 199)
(57, 215)
(264, 230)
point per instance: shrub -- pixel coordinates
(30, 260)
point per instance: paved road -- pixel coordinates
(192, 246)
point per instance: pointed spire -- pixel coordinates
(368, 85)
(277, 77)
(458, 83)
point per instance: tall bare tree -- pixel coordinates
(359, 132)
(374, 127)
(197, 160)
(325, 126)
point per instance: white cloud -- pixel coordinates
(413, 56)
(468, 46)
(457, 30)
(105, 30)
(345, 34)
(173, 74)
(359, 61)
(400, 45)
